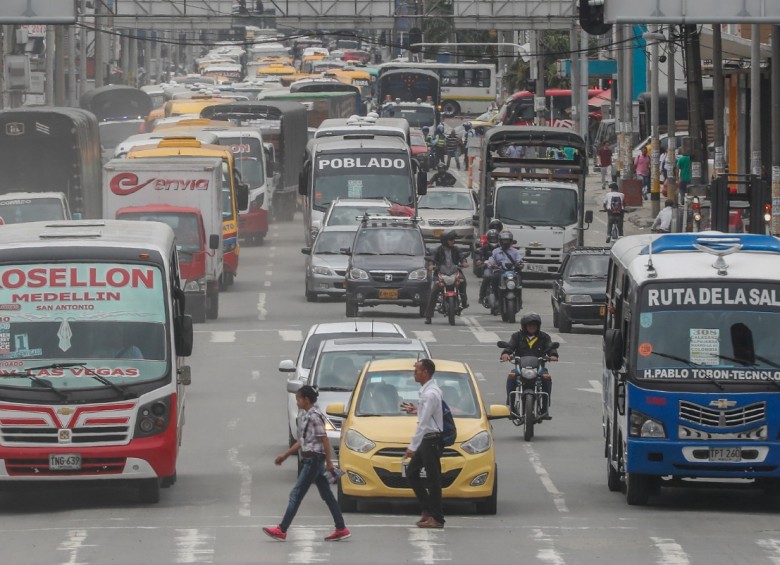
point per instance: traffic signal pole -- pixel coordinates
(775, 226)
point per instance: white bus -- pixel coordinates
(466, 88)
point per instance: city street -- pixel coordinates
(554, 505)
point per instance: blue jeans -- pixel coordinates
(312, 472)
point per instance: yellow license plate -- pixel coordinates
(602, 310)
(388, 294)
(437, 233)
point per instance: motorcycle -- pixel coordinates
(449, 302)
(526, 400)
(508, 301)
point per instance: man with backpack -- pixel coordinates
(427, 445)
(614, 205)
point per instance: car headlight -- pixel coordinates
(480, 443)
(463, 222)
(642, 425)
(418, 275)
(322, 270)
(195, 285)
(358, 274)
(579, 298)
(356, 441)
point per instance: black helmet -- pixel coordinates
(447, 236)
(495, 225)
(441, 167)
(492, 237)
(531, 318)
(505, 236)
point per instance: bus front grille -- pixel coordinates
(729, 418)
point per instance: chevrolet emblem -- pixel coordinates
(534, 244)
(723, 403)
(65, 411)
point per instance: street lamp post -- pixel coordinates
(655, 187)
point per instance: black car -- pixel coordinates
(579, 293)
(387, 265)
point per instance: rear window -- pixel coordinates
(316, 339)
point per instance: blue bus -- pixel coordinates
(691, 361)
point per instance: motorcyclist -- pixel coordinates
(495, 224)
(505, 256)
(531, 341)
(446, 255)
(481, 256)
(442, 177)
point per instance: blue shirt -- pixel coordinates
(501, 258)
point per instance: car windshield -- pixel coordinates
(538, 206)
(382, 392)
(392, 241)
(316, 339)
(31, 210)
(723, 331)
(446, 200)
(341, 369)
(251, 171)
(347, 215)
(109, 316)
(587, 266)
(185, 226)
(331, 242)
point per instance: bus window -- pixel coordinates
(449, 77)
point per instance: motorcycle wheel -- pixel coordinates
(529, 418)
(451, 309)
(510, 310)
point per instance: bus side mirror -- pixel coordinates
(214, 242)
(182, 335)
(613, 349)
(588, 216)
(422, 183)
(242, 196)
(270, 169)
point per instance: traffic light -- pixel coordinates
(530, 85)
(592, 17)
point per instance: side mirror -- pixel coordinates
(422, 184)
(185, 375)
(294, 386)
(497, 411)
(287, 366)
(554, 345)
(346, 251)
(489, 210)
(182, 335)
(214, 243)
(306, 250)
(270, 168)
(336, 409)
(503, 344)
(588, 216)
(242, 196)
(613, 349)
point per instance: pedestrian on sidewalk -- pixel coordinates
(605, 162)
(425, 449)
(684, 174)
(642, 168)
(315, 456)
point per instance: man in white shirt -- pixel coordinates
(614, 205)
(663, 221)
(425, 448)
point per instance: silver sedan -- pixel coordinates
(326, 266)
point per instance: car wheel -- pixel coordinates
(347, 503)
(489, 506)
(149, 491)
(311, 296)
(564, 323)
(555, 320)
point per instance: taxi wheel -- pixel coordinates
(489, 506)
(347, 503)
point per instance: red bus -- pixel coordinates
(519, 108)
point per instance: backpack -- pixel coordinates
(616, 205)
(448, 432)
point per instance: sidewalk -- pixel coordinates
(637, 220)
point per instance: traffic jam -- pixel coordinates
(443, 242)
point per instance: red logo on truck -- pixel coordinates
(125, 184)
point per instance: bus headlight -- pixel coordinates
(153, 418)
(641, 425)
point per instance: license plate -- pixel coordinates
(602, 310)
(405, 464)
(728, 454)
(65, 462)
(534, 268)
(388, 293)
(437, 233)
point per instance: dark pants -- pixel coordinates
(428, 489)
(487, 280)
(312, 472)
(614, 219)
(511, 385)
(439, 152)
(436, 290)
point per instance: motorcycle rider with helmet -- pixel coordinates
(446, 254)
(505, 256)
(531, 341)
(481, 256)
(442, 177)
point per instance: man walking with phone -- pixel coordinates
(425, 448)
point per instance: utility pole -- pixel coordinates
(696, 127)
(584, 80)
(775, 227)
(59, 66)
(755, 101)
(575, 74)
(50, 62)
(82, 48)
(621, 68)
(717, 99)
(655, 149)
(671, 127)
(99, 40)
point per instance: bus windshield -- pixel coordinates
(31, 210)
(708, 331)
(538, 206)
(363, 176)
(110, 317)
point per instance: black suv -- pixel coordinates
(579, 292)
(387, 265)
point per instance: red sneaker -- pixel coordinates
(276, 533)
(339, 535)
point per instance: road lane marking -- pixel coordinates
(544, 476)
(232, 424)
(252, 398)
(261, 311)
(671, 552)
(480, 334)
(72, 545)
(267, 284)
(429, 549)
(772, 547)
(548, 553)
(308, 547)
(192, 546)
(245, 495)
(269, 273)
(223, 337)
(425, 335)
(595, 387)
(291, 335)
(255, 375)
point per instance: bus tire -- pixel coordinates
(450, 108)
(614, 482)
(638, 489)
(149, 491)
(212, 305)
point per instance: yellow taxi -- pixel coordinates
(375, 434)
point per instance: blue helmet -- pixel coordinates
(440, 128)
(425, 130)
(467, 126)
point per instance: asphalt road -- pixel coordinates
(554, 506)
